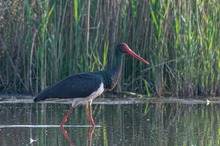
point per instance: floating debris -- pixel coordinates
(32, 140)
(207, 102)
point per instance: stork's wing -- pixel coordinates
(76, 86)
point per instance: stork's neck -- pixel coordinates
(112, 76)
(116, 70)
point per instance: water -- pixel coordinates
(118, 123)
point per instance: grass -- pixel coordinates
(42, 42)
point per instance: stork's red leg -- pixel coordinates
(66, 116)
(90, 114)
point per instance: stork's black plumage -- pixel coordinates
(84, 87)
(72, 87)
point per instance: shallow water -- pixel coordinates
(118, 123)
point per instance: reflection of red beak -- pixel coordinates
(130, 52)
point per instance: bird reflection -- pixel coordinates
(90, 133)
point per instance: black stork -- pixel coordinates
(84, 87)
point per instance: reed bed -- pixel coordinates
(42, 42)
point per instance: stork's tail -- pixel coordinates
(39, 98)
(36, 99)
(42, 95)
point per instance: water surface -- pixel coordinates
(119, 123)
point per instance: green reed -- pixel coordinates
(45, 41)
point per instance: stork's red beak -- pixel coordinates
(130, 52)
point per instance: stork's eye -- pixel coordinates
(123, 48)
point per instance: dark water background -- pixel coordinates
(121, 123)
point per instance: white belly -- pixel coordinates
(95, 94)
